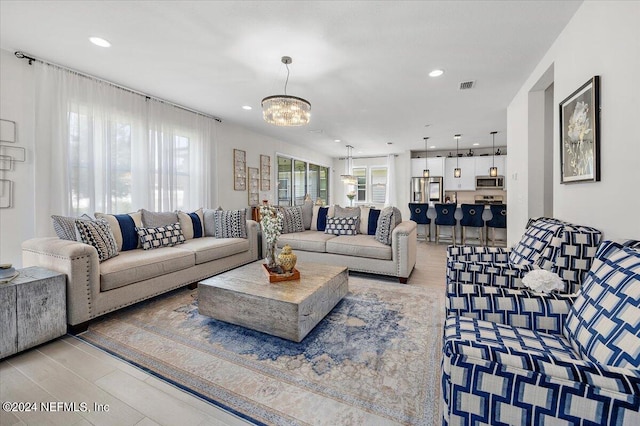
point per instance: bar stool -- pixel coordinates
(445, 216)
(498, 220)
(419, 216)
(472, 218)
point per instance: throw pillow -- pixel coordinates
(123, 228)
(342, 225)
(231, 223)
(319, 220)
(385, 225)
(161, 236)
(603, 324)
(209, 222)
(307, 213)
(534, 241)
(157, 219)
(364, 220)
(65, 227)
(98, 234)
(292, 220)
(192, 224)
(372, 226)
(346, 211)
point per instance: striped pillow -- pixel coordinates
(230, 223)
(98, 234)
(192, 224)
(123, 228)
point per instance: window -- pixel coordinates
(297, 178)
(372, 184)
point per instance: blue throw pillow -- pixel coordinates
(322, 218)
(374, 215)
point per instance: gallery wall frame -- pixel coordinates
(265, 173)
(7, 131)
(253, 176)
(580, 134)
(239, 170)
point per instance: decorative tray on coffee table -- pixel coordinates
(276, 274)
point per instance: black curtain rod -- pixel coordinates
(31, 59)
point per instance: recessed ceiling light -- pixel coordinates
(98, 41)
(337, 140)
(432, 146)
(476, 144)
(247, 107)
(436, 73)
(359, 152)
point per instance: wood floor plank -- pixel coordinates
(82, 363)
(68, 387)
(153, 403)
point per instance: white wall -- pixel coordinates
(603, 38)
(17, 103)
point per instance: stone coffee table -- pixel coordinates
(288, 309)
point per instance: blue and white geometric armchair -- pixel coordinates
(585, 370)
(550, 244)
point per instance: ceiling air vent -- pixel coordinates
(465, 85)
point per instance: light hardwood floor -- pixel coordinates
(70, 370)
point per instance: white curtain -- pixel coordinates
(390, 199)
(102, 148)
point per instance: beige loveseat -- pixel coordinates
(94, 288)
(360, 252)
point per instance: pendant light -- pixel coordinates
(493, 170)
(285, 110)
(457, 172)
(425, 172)
(348, 178)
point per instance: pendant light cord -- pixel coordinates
(287, 80)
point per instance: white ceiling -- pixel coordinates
(362, 65)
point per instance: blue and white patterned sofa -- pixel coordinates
(585, 371)
(550, 244)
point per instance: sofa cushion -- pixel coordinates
(209, 222)
(292, 219)
(307, 213)
(207, 249)
(123, 227)
(307, 241)
(98, 234)
(192, 224)
(156, 219)
(65, 227)
(138, 265)
(603, 324)
(346, 211)
(360, 246)
(342, 225)
(162, 236)
(369, 220)
(230, 223)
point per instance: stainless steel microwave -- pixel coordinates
(489, 182)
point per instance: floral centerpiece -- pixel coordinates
(542, 281)
(351, 195)
(271, 224)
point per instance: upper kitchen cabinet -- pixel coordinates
(436, 166)
(467, 179)
(483, 164)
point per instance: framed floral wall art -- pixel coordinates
(580, 134)
(239, 170)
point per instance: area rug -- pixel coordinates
(374, 360)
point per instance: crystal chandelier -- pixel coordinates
(285, 110)
(348, 178)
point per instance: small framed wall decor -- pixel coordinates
(580, 134)
(254, 185)
(239, 170)
(7, 131)
(265, 173)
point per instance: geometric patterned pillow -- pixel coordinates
(292, 220)
(342, 225)
(535, 239)
(98, 234)
(386, 224)
(162, 236)
(123, 228)
(230, 223)
(65, 227)
(603, 324)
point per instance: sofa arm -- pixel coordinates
(78, 261)
(252, 236)
(404, 240)
(494, 274)
(518, 308)
(477, 254)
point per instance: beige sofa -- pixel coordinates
(94, 288)
(359, 252)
